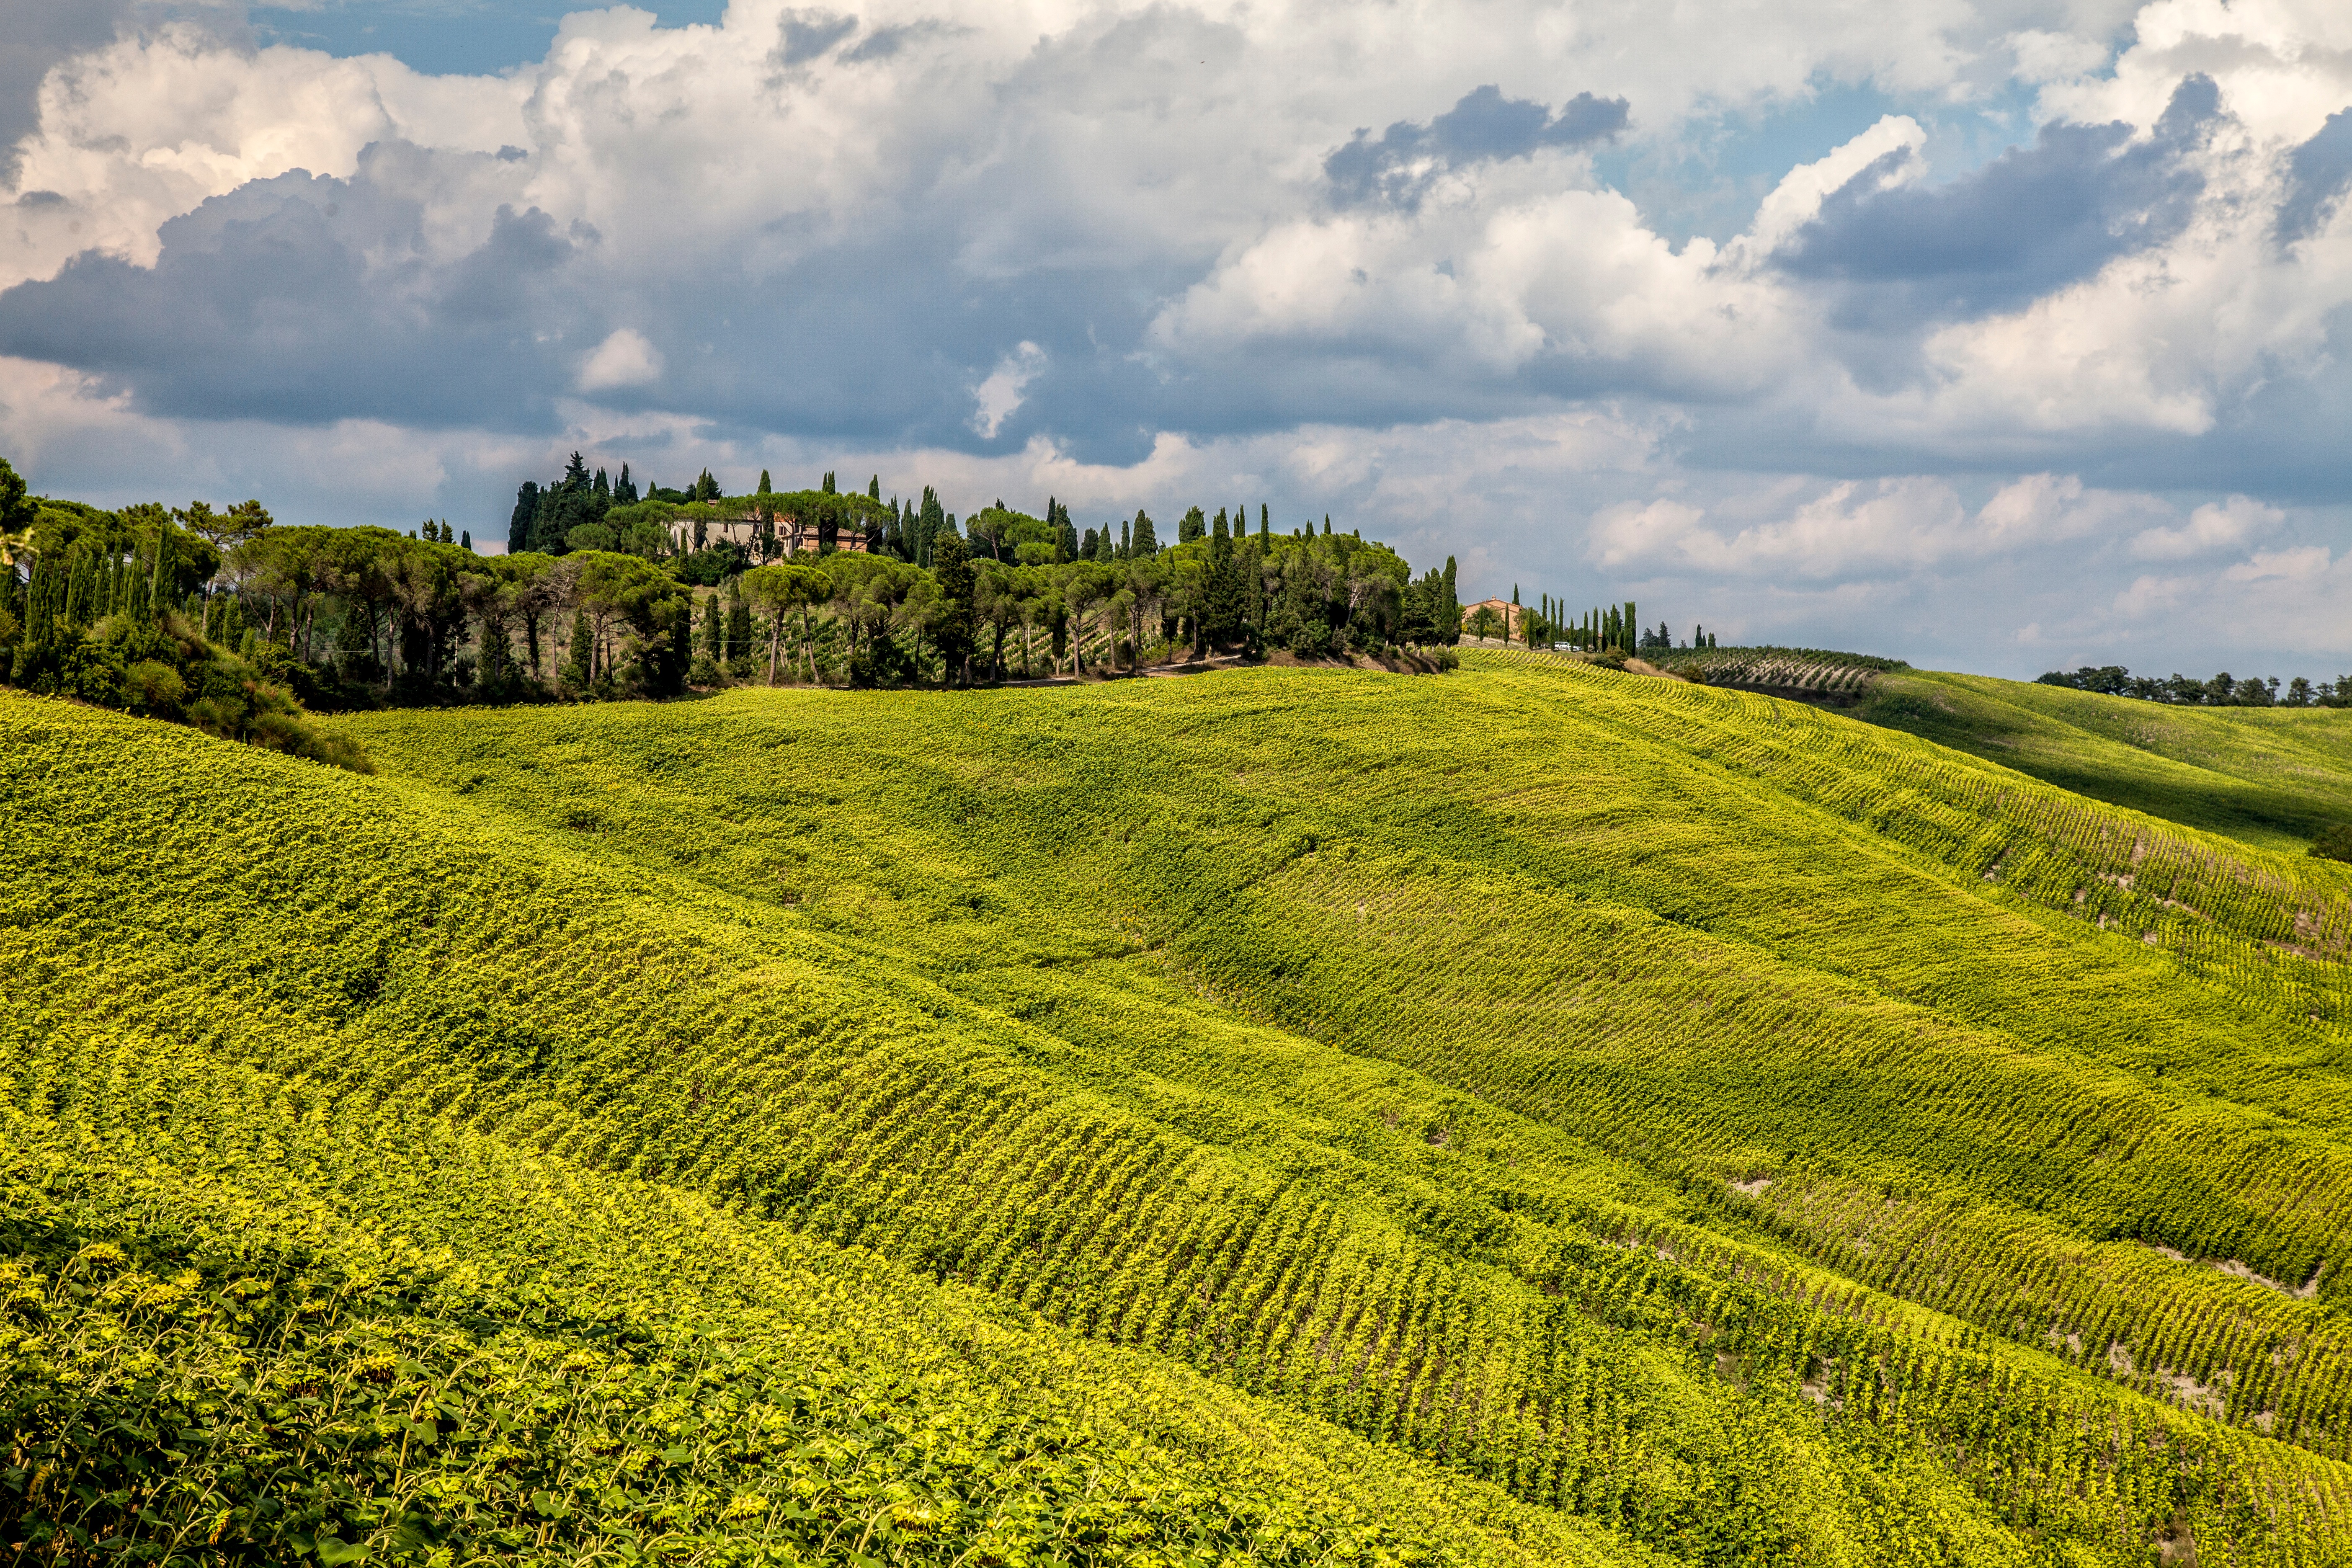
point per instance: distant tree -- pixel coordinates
(780, 591)
(765, 488)
(580, 673)
(18, 508)
(931, 523)
(738, 634)
(951, 629)
(874, 488)
(1418, 625)
(1192, 525)
(1143, 539)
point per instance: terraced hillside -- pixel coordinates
(1535, 1114)
(2274, 777)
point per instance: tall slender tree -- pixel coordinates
(951, 630)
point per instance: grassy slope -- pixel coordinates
(1335, 1036)
(2269, 776)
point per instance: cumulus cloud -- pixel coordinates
(2309, 562)
(995, 398)
(2318, 173)
(623, 359)
(2215, 526)
(306, 299)
(1118, 247)
(1400, 167)
(1881, 158)
(36, 38)
(1856, 529)
(2032, 220)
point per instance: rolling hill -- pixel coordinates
(2274, 777)
(1539, 1114)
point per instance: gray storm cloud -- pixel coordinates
(1323, 253)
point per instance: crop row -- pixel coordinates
(366, 956)
(237, 1330)
(1542, 957)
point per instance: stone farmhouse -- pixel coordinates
(795, 535)
(1507, 615)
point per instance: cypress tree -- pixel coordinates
(1633, 628)
(932, 523)
(953, 631)
(627, 491)
(1449, 629)
(581, 670)
(874, 488)
(1123, 541)
(829, 488)
(765, 489)
(154, 605)
(465, 540)
(1147, 542)
(739, 625)
(712, 645)
(82, 591)
(1253, 571)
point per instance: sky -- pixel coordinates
(2001, 337)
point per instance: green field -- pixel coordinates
(1537, 1114)
(2270, 776)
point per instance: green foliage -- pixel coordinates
(17, 509)
(1797, 669)
(1264, 1096)
(2273, 776)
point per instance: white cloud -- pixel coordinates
(1896, 139)
(995, 398)
(1857, 529)
(1106, 231)
(625, 359)
(2212, 527)
(2310, 562)
(2048, 56)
